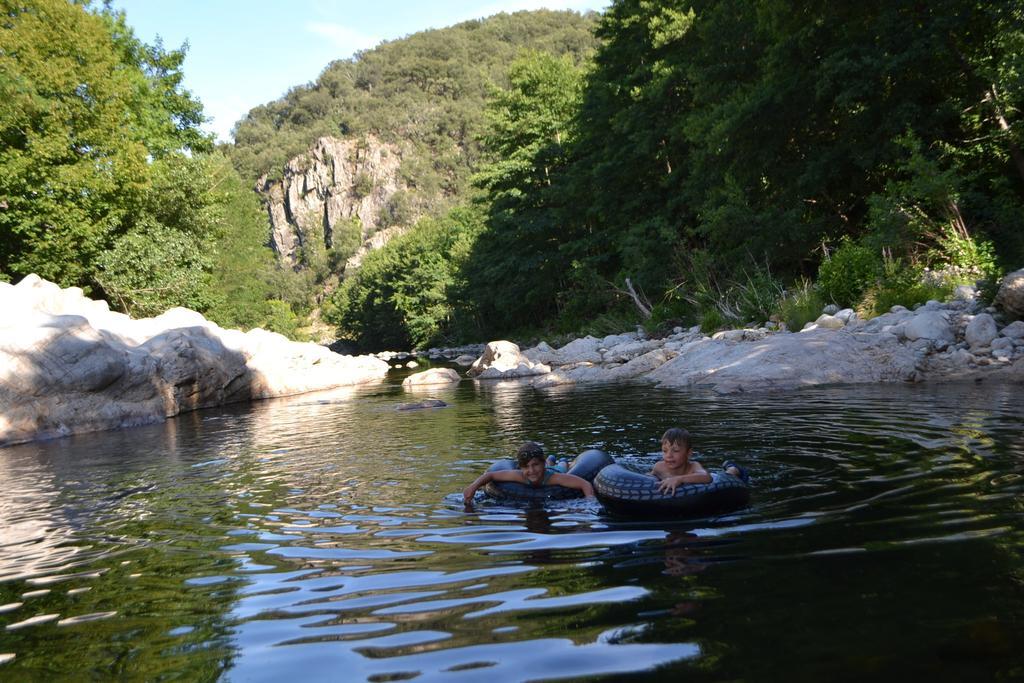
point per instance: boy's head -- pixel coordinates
(527, 452)
(677, 436)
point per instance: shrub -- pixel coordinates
(362, 185)
(756, 297)
(963, 259)
(848, 273)
(801, 305)
(711, 319)
(900, 285)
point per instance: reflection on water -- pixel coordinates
(326, 535)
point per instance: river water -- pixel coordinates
(323, 538)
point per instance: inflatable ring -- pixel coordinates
(586, 466)
(623, 490)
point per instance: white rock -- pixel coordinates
(585, 349)
(1002, 343)
(928, 325)
(829, 322)
(1011, 293)
(432, 376)
(787, 361)
(502, 360)
(846, 315)
(1014, 330)
(728, 335)
(981, 330)
(63, 373)
(625, 351)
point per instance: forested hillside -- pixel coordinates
(425, 92)
(727, 161)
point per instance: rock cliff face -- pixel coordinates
(338, 185)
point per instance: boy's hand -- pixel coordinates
(668, 485)
(467, 495)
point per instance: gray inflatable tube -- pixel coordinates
(586, 466)
(627, 491)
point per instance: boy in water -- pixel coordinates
(675, 466)
(533, 471)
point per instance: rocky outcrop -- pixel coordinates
(502, 360)
(338, 185)
(937, 341)
(68, 364)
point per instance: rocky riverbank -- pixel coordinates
(939, 341)
(68, 364)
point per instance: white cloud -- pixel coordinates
(349, 40)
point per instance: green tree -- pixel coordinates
(404, 295)
(83, 105)
(517, 266)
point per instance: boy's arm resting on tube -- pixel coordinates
(571, 481)
(500, 475)
(697, 475)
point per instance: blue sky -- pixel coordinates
(245, 53)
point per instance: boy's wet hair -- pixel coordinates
(677, 435)
(527, 452)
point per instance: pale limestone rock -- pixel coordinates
(1001, 343)
(829, 322)
(585, 349)
(626, 351)
(728, 336)
(929, 324)
(69, 364)
(787, 361)
(432, 376)
(502, 360)
(1014, 330)
(465, 360)
(981, 330)
(1011, 293)
(846, 315)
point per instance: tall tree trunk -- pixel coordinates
(992, 96)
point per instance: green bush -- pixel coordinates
(711, 320)
(962, 258)
(900, 285)
(844, 276)
(756, 296)
(802, 305)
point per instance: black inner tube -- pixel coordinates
(626, 490)
(586, 466)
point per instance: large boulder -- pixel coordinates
(68, 364)
(502, 360)
(431, 377)
(790, 360)
(981, 330)
(931, 325)
(1010, 296)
